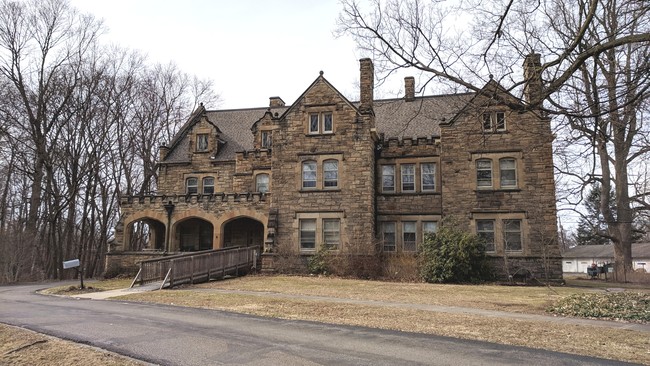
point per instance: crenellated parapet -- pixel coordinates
(409, 146)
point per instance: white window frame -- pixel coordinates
(192, 188)
(325, 121)
(266, 139)
(303, 172)
(314, 128)
(403, 176)
(490, 247)
(303, 238)
(493, 121)
(432, 173)
(332, 234)
(262, 187)
(513, 169)
(202, 142)
(392, 245)
(385, 188)
(410, 245)
(205, 184)
(329, 182)
(480, 169)
(507, 230)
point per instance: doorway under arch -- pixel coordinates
(243, 232)
(145, 234)
(194, 234)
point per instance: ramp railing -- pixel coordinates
(197, 267)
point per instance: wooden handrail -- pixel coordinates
(197, 266)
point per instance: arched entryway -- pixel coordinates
(243, 232)
(145, 234)
(194, 234)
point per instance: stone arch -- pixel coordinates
(150, 236)
(203, 223)
(241, 213)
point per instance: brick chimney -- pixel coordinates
(276, 102)
(409, 88)
(532, 78)
(366, 84)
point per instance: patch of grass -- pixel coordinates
(490, 297)
(23, 347)
(90, 286)
(628, 306)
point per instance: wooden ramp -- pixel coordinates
(196, 267)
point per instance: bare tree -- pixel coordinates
(595, 75)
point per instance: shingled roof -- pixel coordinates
(393, 117)
(640, 250)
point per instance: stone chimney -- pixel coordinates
(366, 84)
(276, 102)
(409, 88)
(164, 150)
(532, 78)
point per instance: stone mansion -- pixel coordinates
(327, 172)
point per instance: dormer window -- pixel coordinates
(321, 123)
(266, 139)
(202, 142)
(494, 121)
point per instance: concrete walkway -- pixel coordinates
(423, 307)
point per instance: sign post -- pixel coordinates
(74, 263)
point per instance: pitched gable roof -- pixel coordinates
(639, 250)
(319, 79)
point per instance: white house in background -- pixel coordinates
(577, 259)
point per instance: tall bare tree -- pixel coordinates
(595, 74)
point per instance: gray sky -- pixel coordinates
(252, 50)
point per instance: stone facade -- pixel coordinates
(328, 172)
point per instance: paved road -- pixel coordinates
(170, 335)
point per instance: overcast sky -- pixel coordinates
(252, 50)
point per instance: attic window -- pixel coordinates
(202, 142)
(266, 140)
(494, 121)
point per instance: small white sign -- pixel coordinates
(71, 264)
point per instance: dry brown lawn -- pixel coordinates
(23, 347)
(617, 344)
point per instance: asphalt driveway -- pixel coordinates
(170, 335)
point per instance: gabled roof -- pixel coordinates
(491, 89)
(639, 250)
(319, 79)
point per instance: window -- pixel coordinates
(428, 174)
(192, 186)
(388, 178)
(512, 235)
(331, 233)
(266, 140)
(508, 172)
(388, 236)
(262, 183)
(321, 123)
(309, 174)
(408, 177)
(330, 173)
(202, 142)
(429, 227)
(208, 185)
(328, 126)
(485, 231)
(313, 123)
(494, 120)
(408, 236)
(308, 234)
(484, 173)
(500, 121)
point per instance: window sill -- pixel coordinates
(491, 190)
(316, 134)
(312, 190)
(410, 193)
